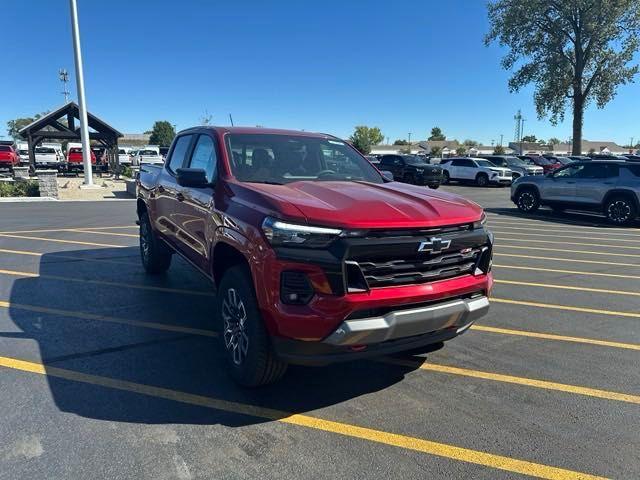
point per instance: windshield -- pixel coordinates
(280, 159)
(23, 152)
(544, 161)
(516, 162)
(485, 163)
(500, 162)
(45, 150)
(564, 160)
(411, 160)
(122, 152)
(151, 153)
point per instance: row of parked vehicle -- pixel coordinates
(51, 155)
(484, 170)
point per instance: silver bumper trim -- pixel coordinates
(459, 313)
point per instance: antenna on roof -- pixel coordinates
(64, 78)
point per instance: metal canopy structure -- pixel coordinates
(61, 125)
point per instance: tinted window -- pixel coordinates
(50, 150)
(179, 152)
(386, 160)
(204, 156)
(485, 163)
(634, 169)
(4, 148)
(291, 158)
(571, 172)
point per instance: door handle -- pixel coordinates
(180, 197)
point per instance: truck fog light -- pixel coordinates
(295, 288)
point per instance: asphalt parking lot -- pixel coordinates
(108, 373)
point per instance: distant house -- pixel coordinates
(396, 149)
(487, 150)
(588, 146)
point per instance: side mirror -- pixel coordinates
(388, 176)
(192, 177)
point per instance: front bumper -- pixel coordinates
(458, 313)
(500, 180)
(429, 180)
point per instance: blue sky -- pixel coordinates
(327, 66)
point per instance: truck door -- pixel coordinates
(168, 195)
(197, 222)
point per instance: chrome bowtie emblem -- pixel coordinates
(434, 245)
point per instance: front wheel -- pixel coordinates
(155, 256)
(620, 210)
(251, 359)
(434, 187)
(482, 180)
(527, 200)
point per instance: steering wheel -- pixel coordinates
(326, 173)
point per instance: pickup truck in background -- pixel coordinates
(316, 256)
(411, 169)
(49, 156)
(8, 158)
(75, 160)
(148, 156)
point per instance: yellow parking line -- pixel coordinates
(66, 257)
(570, 260)
(428, 447)
(57, 240)
(566, 307)
(549, 336)
(67, 229)
(527, 382)
(572, 272)
(590, 236)
(568, 287)
(80, 230)
(528, 247)
(106, 318)
(111, 284)
(531, 240)
(559, 227)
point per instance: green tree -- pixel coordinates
(436, 151)
(498, 150)
(401, 142)
(529, 138)
(470, 143)
(461, 150)
(436, 134)
(162, 133)
(553, 141)
(364, 138)
(574, 52)
(14, 126)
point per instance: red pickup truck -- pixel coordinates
(8, 157)
(74, 159)
(316, 255)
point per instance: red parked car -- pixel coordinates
(547, 165)
(317, 256)
(74, 159)
(8, 157)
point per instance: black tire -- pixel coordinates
(620, 210)
(434, 187)
(155, 255)
(482, 180)
(445, 177)
(254, 364)
(527, 200)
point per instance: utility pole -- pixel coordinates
(501, 137)
(82, 105)
(522, 119)
(231, 119)
(64, 78)
(409, 142)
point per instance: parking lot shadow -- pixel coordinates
(81, 312)
(580, 219)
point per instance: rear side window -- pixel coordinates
(634, 169)
(204, 156)
(179, 152)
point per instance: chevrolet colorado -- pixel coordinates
(317, 258)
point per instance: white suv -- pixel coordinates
(481, 172)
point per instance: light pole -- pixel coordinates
(82, 105)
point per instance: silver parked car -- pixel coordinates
(519, 167)
(609, 187)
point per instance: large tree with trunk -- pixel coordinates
(573, 51)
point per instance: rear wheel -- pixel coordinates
(251, 359)
(482, 180)
(620, 210)
(155, 256)
(434, 187)
(527, 200)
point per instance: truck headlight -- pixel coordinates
(281, 233)
(480, 223)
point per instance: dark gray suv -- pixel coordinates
(612, 188)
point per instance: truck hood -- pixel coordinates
(368, 205)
